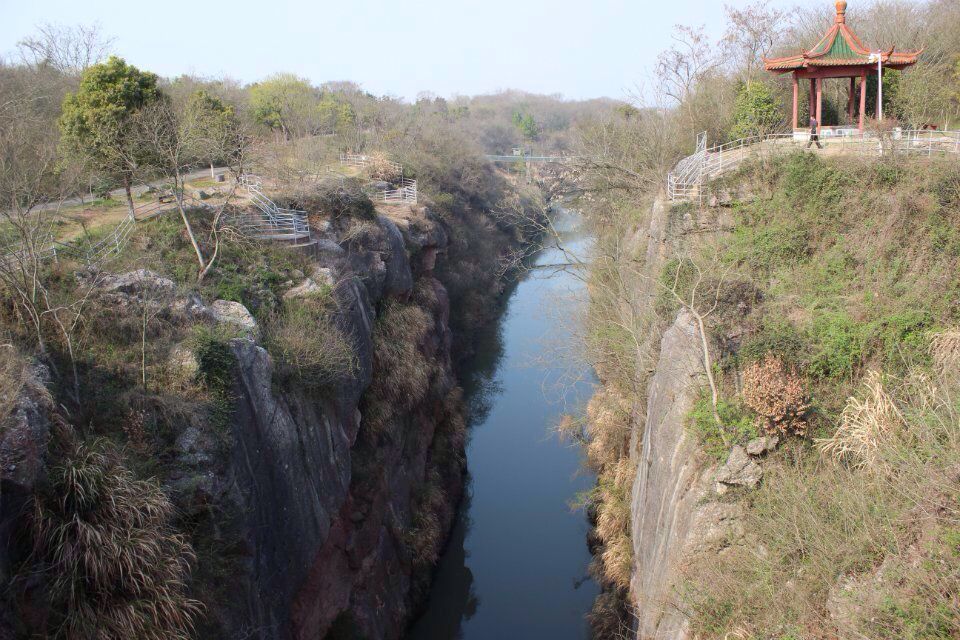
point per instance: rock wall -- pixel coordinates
(322, 514)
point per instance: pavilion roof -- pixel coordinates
(840, 47)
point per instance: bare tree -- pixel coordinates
(177, 139)
(691, 58)
(751, 34)
(69, 50)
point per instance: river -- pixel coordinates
(516, 563)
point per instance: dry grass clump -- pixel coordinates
(849, 550)
(866, 424)
(12, 375)
(608, 428)
(380, 167)
(608, 440)
(306, 338)
(117, 567)
(777, 395)
(402, 372)
(424, 537)
(945, 351)
(614, 520)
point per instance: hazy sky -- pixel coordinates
(578, 49)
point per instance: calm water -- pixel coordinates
(516, 565)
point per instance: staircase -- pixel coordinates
(271, 222)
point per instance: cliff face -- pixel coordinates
(322, 508)
(669, 485)
(316, 510)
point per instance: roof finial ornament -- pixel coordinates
(841, 11)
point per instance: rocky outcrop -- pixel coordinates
(670, 484)
(674, 512)
(322, 504)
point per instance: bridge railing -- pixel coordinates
(686, 180)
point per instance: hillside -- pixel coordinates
(819, 500)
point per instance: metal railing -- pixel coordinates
(686, 180)
(113, 243)
(359, 161)
(272, 222)
(405, 193)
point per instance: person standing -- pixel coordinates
(814, 133)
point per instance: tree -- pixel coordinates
(174, 140)
(681, 67)
(757, 111)
(217, 134)
(286, 104)
(69, 50)
(96, 124)
(527, 125)
(751, 34)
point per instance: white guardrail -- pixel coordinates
(110, 245)
(271, 222)
(404, 193)
(687, 178)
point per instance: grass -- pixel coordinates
(103, 541)
(889, 529)
(306, 340)
(856, 265)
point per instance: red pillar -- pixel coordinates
(863, 96)
(812, 101)
(850, 99)
(819, 105)
(796, 92)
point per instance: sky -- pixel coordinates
(446, 47)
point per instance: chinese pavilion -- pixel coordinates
(839, 54)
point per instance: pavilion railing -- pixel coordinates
(685, 182)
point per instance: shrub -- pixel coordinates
(380, 167)
(777, 395)
(117, 568)
(338, 198)
(777, 337)
(840, 345)
(715, 440)
(756, 111)
(309, 344)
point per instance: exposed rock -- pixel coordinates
(739, 471)
(138, 282)
(320, 280)
(670, 485)
(716, 526)
(233, 313)
(24, 436)
(762, 445)
(183, 361)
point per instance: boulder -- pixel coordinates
(762, 445)
(739, 471)
(320, 280)
(138, 282)
(233, 313)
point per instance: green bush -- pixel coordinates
(814, 185)
(776, 336)
(840, 343)
(757, 111)
(738, 426)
